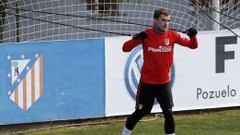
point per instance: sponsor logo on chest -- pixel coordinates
(162, 48)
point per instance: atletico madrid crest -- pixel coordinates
(166, 41)
(25, 79)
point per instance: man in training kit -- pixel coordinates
(158, 44)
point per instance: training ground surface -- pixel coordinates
(214, 122)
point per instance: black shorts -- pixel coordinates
(147, 93)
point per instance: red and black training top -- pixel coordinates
(158, 53)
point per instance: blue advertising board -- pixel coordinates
(48, 81)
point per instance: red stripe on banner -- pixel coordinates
(25, 94)
(33, 84)
(16, 96)
(41, 75)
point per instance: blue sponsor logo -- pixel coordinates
(133, 70)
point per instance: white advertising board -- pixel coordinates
(207, 77)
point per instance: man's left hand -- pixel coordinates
(192, 32)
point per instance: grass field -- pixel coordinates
(224, 122)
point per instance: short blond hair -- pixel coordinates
(159, 12)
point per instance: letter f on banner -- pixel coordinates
(221, 55)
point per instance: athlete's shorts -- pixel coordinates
(147, 93)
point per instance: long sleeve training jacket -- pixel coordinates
(158, 53)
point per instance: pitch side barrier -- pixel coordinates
(204, 78)
(93, 78)
(50, 81)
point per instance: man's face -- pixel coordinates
(163, 22)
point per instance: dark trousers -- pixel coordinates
(146, 95)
